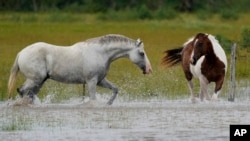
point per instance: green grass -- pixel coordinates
(19, 30)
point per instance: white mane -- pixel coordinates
(112, 38)
(188, 41)
(218, 50)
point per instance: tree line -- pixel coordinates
(95, 6)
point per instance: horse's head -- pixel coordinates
(138, 56)
(201, 46)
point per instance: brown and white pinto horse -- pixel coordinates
(202, 57)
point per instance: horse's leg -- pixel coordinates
(106, 84)
(31, 87)
(189, 77)
(203, 88)
(207, 96)
(218, 86)
(92, 88)
(83, 91)
(191, 89)
(27, 89)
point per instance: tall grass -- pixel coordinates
(19, 30)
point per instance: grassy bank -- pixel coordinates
(19, 30)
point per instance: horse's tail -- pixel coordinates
(171, 57)
(12, 78)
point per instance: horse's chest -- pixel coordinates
(196, 69)
(211, 72)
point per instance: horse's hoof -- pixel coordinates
(25, 101)
(208, 98)
(193, 100)
(202, 99)
(109, 103)
(214, 97)
(93, 103)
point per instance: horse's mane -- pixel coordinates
(211, 38)
(111, 38)
(218, 49)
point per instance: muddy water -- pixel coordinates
(155, 120)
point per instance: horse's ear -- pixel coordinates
(138, 43)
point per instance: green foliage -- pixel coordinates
(117, 16)
(146, 7)
(204, 15)
(229, 15)
(225, 43)
(245, 38)
(61, 17)
(165, 13)
(144, 13)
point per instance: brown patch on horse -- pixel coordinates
(186, 55)
(214, 72)
(212, 67)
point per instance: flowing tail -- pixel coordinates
(12, 78)
(172, 57)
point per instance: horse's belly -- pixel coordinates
(71, 79)
(73, 76)
(196, 69)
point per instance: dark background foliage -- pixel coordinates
(90, 6)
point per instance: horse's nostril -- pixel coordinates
(143, 68)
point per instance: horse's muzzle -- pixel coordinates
(146, 69)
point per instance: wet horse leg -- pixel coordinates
(191, 89)
(83, 91)
(26, 89)
(106, 84)
(218, 86)
(203, 88)
(189, 77)
(92, 88)
(30, 88)
(203, 91)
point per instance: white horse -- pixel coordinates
(82, 63)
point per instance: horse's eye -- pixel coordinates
(141, 54)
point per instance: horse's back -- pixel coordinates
(40, 50)
(36, 48)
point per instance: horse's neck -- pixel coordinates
(211, 57)
(115, 51)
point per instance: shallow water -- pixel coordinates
(154, 120)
